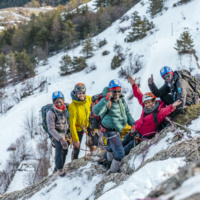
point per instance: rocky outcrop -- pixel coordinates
(175, 182)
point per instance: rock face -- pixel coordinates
(175, 182)
(177, 147)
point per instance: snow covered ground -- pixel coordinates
(157, 50)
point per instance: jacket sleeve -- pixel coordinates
(101, 107)
(159, 92)
(130, 121)
(72, 121)
(138, 94)
(181, 92)
(51, 125)
(165, 112)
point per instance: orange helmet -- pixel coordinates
(79, 87)
(148, 96)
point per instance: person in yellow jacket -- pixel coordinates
(79, 111)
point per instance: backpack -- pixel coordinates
(191, 80)
(94, 119)
(44, 111)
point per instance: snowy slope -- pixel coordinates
(157, 50)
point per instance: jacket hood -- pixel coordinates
(105, 91)
(76, 100)
(73, 96)
(175, 78)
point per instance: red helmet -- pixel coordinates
(148, 96)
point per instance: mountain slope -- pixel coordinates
(157, 50)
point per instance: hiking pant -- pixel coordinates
(114, 145)
(76, 151)
(60, 155)
(130, 142)
(93, 142)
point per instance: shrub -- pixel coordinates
(102, 43)
(104, 53)
(117, 61)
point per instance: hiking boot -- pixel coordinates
(54, 170)
(107, 164)
(61, 172)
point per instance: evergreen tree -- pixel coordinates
(101, 3)
(57, 32)
(79, 63)
(185, 43)
(155, 7)
(88, 47)
(24, 65)
(70, 34)
(183, 2)
(3, 69)
(66, 65)
(12, 67)
(139, 28)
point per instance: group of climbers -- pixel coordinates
(109, 114)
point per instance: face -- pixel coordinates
(149, 104)
(59, 102)
(81, 95)
(116, 94)
(168, 78)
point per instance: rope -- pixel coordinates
(145, 151)
(176, 129)
(189, 129)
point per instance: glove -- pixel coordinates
(133, 131)
(63, 143)
(96, 131)
(109, 96)
(151, 80)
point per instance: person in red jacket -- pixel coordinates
(153, 114)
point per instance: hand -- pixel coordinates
(109, 96)
(131, 80)
(96, 131)
(63, 143)
(77, 144)
(150, 80)
(176, 103)
(133, 129)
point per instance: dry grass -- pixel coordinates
(13, 16)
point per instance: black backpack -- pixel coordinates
(44, 111)
(191, 80)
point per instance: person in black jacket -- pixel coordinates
(175, 88)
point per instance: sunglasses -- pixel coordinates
(166, 76)
(79, 93)
(116, 91)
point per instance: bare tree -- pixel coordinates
(31, 124)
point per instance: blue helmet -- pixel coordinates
(57, 94)
(114, 83)
(165, 70)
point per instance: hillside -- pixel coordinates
(13, 16)
(153, 51)
(19, 3)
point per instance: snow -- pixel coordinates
(146, 179)
(137, 186)
(77, 182)
(157, 50)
